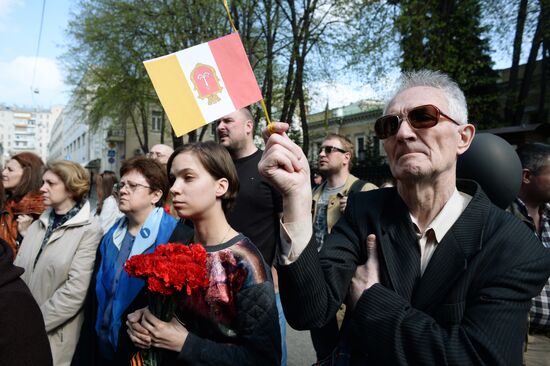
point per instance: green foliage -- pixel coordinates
(372, 152)
(112, 38)
(447, 36)
(290, 44)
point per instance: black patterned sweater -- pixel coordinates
(234, 321)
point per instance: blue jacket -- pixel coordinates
(155, 231)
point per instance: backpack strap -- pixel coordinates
(356, 186)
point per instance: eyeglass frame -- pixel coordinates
(400, 120)
(155, 154)
(331, 149)
(128, 185)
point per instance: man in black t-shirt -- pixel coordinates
(256, 212)
(258, 207)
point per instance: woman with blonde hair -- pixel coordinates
(21, 177)
(58, 255)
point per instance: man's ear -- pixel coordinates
(222, 185)
(467, 133)
(249, 126)
(348, 156)
(526, 176)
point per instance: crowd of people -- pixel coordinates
(425, 271)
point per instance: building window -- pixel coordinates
(156, 121)
(314, 152)
(213, 128)
(359, 144)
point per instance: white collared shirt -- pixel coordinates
(296, 235)
(440, 225)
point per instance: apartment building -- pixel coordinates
(26, 129)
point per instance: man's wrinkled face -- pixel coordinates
(429, 152)
(160, 153)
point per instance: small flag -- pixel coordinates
(203, 83)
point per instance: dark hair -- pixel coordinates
(152, 171)
(247, 113)
(75, 178)
(2, 195)
(533, 156)
(31, 180)
(104, 184)
(217, 162)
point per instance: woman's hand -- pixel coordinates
(170, 336)
(138, 335)
(23, 223)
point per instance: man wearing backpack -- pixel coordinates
(329, 198)
(329, 202)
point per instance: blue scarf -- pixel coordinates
(156, 230)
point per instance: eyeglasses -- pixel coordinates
(424, 116)
(130, 186)
(154, 154)
(330, 149)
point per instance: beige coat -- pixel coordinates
(61, 277)
(333, 208)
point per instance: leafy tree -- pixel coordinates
(447, 35)
(111, 39)
(525, 26)
(541, 40)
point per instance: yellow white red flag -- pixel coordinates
(203, 83)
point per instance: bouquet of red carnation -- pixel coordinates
(171, 271)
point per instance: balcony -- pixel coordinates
(115, 135)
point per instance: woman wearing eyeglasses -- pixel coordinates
(142, 190)
(58, 255)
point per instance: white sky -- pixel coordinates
(19, 29)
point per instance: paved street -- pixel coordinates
(299, 348)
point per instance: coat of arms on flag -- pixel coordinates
(203, 83)
(206, 83)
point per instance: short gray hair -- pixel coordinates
(458, 108)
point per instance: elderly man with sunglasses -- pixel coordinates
(434, 272)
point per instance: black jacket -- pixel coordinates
(23, 339)
(469, 307)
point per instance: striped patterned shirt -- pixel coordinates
(540, 308)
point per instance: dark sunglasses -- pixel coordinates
(424, 116)
(329, 149)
